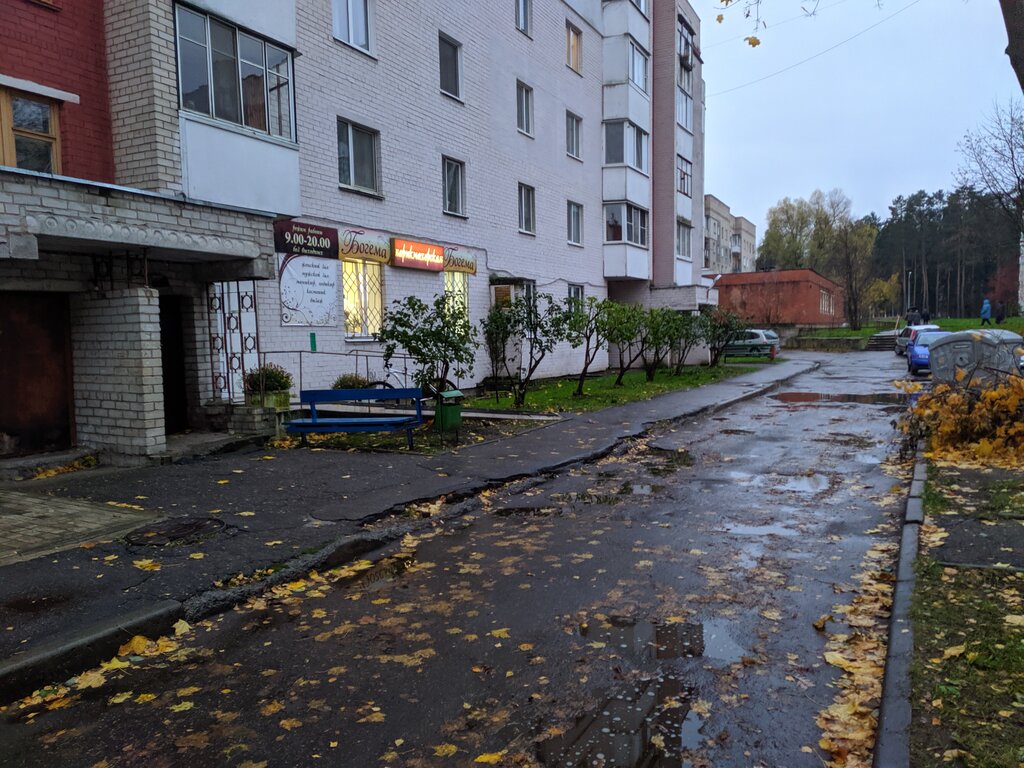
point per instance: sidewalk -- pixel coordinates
(259, 509)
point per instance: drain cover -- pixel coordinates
(186, 530)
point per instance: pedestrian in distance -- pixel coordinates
(926, 316)
(1000, 313)
(986, 312)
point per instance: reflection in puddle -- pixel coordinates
(880, 398)
(649, 724)
(760, 530)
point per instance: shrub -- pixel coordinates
(269, 377)
(350, 381)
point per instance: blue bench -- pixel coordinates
(370, 422)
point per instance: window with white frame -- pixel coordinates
(450, 57)
(638, 66)
(363, 297)
(357, 157)
(626, 143)
(524, 108)
(524, 15)
(573, 47)
(233, 76)
(574, 223)
(684, 174)
(353, 22)
(625, 223)
(573, 125)
(642, 5)
(575, 293)
(527, 209)
(683, 234)
(454, 179)
(456, 289)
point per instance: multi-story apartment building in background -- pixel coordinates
(191, 188)
(730, 242)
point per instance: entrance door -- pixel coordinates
(172, 355)
(35, 383)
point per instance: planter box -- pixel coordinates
(279, 400)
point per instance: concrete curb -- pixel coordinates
(82, 649)
(892, 742)
(59, 659)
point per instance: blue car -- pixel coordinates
(917, 350)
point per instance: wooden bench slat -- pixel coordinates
(369, 423)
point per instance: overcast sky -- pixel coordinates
(879, 116)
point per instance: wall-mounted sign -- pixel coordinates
(362, 243)
(309, 291)
(301, 239)
(413, 255)
(459, 258)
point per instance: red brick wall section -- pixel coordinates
(62, 46)
(771, 298)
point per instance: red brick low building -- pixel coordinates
(785, 297)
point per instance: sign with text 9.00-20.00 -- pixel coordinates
(302, 239)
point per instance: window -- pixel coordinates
(524, 108)
(357, 157)
(642, 5)
(684, 109)
(573, 48)
(573, 123)
(29, 132)
(625, 142)
(362, 286)
(574, 229)
(353, 22)
(454, 178)
(625, 223)
(524, 14)
(450, 55)
(456, 289)
(684, 172)
(638, 66)
(233, 76)
(527, 209)
(575, 292)
(683, 233)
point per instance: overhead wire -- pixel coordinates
(818, 54)
(804, 15)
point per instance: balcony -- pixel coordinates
(623, 182)
(622, 17)
(623, 261)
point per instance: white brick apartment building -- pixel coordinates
(730, 242)
(549, 146)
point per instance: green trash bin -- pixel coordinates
(449, 414)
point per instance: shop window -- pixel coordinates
(456, 289)
(363, 289)
(29, 132)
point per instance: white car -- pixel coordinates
(754, 342)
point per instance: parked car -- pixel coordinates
(904, 336)
(754, 342)
(918, 350)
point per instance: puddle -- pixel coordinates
(647, 641)
(384, 572)
(535, 511)
(880, 398)
(718, 643)
(760, 530)
(177, 531)
(648, 725)
(796, 483)
(736, 431)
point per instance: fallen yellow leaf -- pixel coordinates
(146, 564)
(373, 717)
(273, 543)
(500, 633)
(181, 627)
(182, 707)
(490, 758)
(142, 698)
(1014, 620)
(953, 651)
(196, 556)
(119, 698)
(290, 724)
(114, 663)
(92, 679)
(183, 692)
(445, 750)
(271, 708)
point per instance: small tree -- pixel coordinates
(438, 337)
(721, 328)
(660, 330)
(690, 333)
(624, 328)
(585, 326)
(537, 324)
(497, 330)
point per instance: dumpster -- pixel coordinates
(985, 357)
(449, 412)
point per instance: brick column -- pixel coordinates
(118, 381)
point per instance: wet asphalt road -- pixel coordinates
(654, 608)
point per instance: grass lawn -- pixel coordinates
(1015, 324)
(555, 395)
(968, 668)
(848, 333)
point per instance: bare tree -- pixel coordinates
(993, 163)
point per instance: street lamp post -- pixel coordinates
(906, 290)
